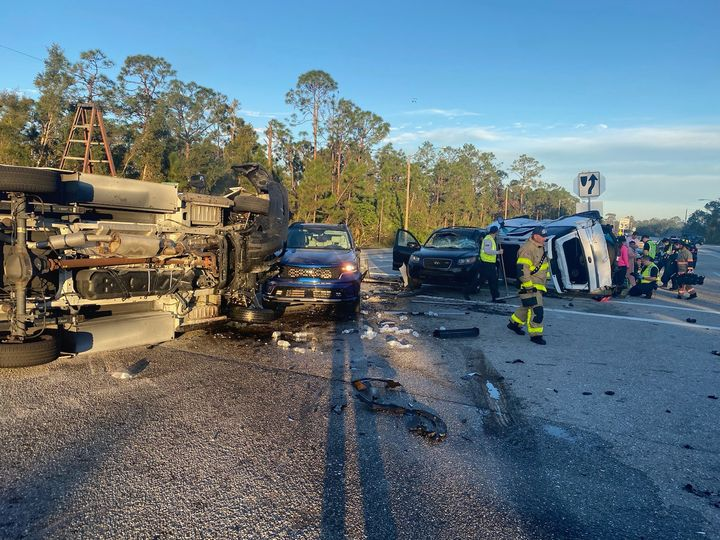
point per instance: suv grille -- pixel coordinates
(317, 273)
(436, 264)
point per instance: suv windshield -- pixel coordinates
(317, 238)
(451, 240)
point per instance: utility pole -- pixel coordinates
(407, 196)
(269, 134)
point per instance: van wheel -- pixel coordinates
(28, 179)
(32, 352)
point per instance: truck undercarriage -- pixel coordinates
(96, 263)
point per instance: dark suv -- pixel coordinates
(320, 265)
(449, 258)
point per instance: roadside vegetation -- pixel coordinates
(331, 153)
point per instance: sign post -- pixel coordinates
(589, 185)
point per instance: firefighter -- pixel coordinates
(648, 278)
(488, 263)
(532, 272)
(685, 264)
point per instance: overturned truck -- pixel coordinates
(93, 263)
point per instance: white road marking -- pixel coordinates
(602, 315)
(649, 305)
(711, 254)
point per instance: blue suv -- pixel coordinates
(320, 265)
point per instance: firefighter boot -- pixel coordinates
(515, 327)
(539, 340)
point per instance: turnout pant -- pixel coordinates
(530, 312)
(489, 273)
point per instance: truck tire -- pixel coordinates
(40, 350)
(251, 203)
(28, 179)
(253, 315)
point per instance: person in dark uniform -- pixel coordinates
(488, 263)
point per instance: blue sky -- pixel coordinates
(631, 88)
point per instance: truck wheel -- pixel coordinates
(28, 179)
(34, 352)
(251, 203)
(253, 315)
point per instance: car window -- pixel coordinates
(318, 238)
(451, 240)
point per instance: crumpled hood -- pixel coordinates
(317, 257)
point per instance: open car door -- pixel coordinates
(405, 245)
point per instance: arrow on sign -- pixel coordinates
(592, 180)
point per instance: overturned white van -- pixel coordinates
(581, 260)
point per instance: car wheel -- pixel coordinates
(28, 179)
(251, 203)
(252, 315)
(32, 352)
(414, 284)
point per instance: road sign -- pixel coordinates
(589, 184)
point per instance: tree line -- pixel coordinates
(331, 153)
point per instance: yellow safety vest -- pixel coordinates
(646, 273)
(485, 257)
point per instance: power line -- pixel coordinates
(20, 52)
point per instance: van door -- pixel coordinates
(405, 245)
(571, 261)
(602, 263)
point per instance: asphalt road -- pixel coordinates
(607, 432)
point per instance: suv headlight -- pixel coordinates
(349, 267)
(415, 258)
(466, 260)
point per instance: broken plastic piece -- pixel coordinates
(299, 350)
(283, 344)
(132, 371)
(419, 419)
(457, 333)
(691, 320)
(469, 376)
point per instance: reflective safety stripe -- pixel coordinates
(540, 287)
(646, 274)
(524, 260)
(527, 284)
(516, 319)
(488, 257)
(535, 330)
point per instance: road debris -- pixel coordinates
(469, 376)
(712, 396)
(283, 344)
(587, 393)
(299, 350)
(713, 497)
(691, 320)
(516, 361)
(276, 335)
(454, 333)
(350, 331)
(716, 353)
(368, 333)
(396, 343)
(609, 393)
(131, 371)
(389, 395)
